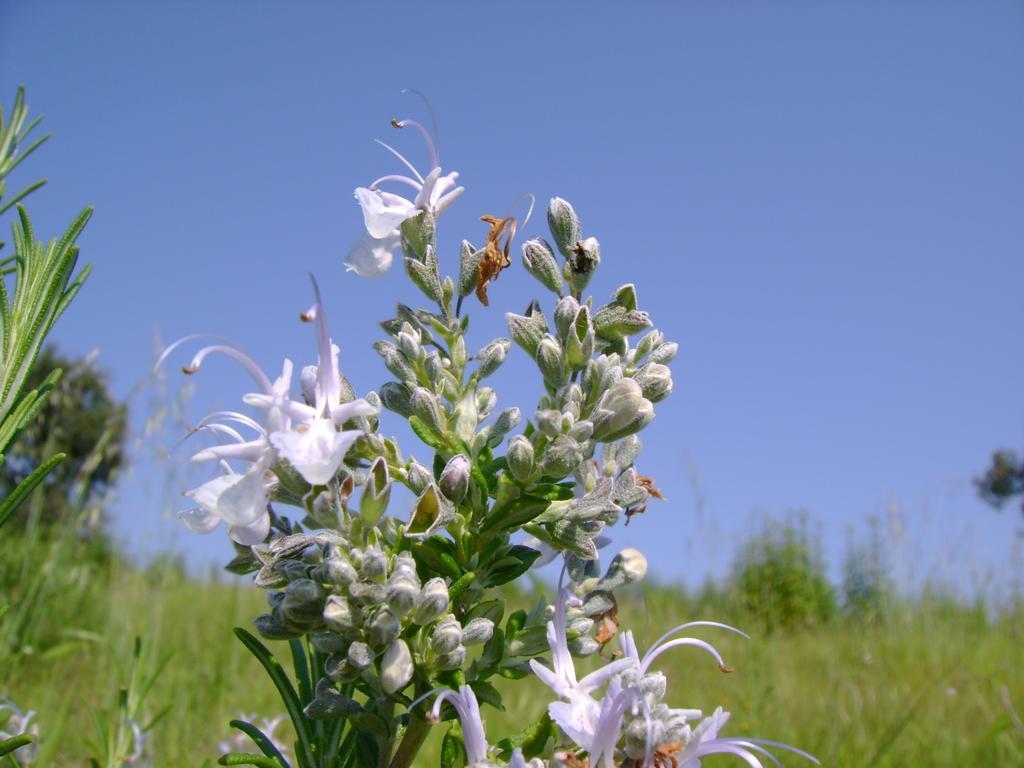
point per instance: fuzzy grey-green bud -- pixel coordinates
(454, 480)
(431, 513)
(397, 398)
(584, 646)
(564, 224)
(374, 564)
(486, 399)
(520, 458)
(433, 367)
(539, 261)
(506, 421)
(419, 477)
(338, 614)
(383, 627)
(432, 601)
(627, 567)
(551, 361)
(447, 635)
(655, 381)
(565, 315)
(303, 601)
(664, 353)
(395, 361)
(469, 268)
(527, 330)
(337, 571)
(403, 590)
(477, 631)
(376, 493)
(561, 456)
(328, 642)
(396, 667)
(582, 263)
(426, 407)
(621, 411)
(452, 660)
(579, 340)
(492, 356)
(359, 655)
(613, 322)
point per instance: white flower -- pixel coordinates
(578, 714)
(310, 439)
(383, 212)
(473, 736)
(704, 741)
(239, 499)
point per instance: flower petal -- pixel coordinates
(317, 452)
(383, 211)
(199, 520)
(372, 256)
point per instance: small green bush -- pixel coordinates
(779, 576)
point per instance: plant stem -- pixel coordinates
(413, 739)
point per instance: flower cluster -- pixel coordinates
(383, 611)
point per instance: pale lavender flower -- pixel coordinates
(14, 722)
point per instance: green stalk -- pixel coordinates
(411, 743)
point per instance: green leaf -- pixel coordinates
(514, 563)
(9, 745)
(284, 687)
(436, 555)
(262, 741)
(25, 487)
(452, 750)
(514, 514)
(532, 740)
(426, 434)
(487, 693)
(260, 761)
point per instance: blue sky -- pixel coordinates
(822, 203)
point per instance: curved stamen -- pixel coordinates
(219, 429)
(396, 178)
(235, 416)
(327, 362)
(656, 652)
(398, 154)
(779, 745)
(529, 211)
(236, 354)
(184, 340)
(435, 160)
(688, 625)
(433, 117)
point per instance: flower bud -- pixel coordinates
(655, 381)
(402, 593)
(328, 642)
(397, 398)
(539, 261)
(426, 407)
(579, 626)
(453, 660)
(338, 614)
(447, 635)
(565, 315)
(376, 493)
(549, 422)
(579, 341)
(527, 330)
(359, 656)
(505, 422)
(664, 353)
(627, 567)
(395, 361)
(432, 602)
(613, 322)
(383, 627)
(581, 431)
(477, 631)
(520, 458)
(337, 571)
(303, 601)
(409, 343)
(433, 367)
(621, 411)
(396, 667)
(626, 451)
(486, 399)
(561, 456)
(454, 480)
(581, 265)
(374, 564)
(564, 224)
(492, 356)
(419, 477)
(469, 268)
(584, 646)
(551, 361)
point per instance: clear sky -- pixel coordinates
(822, 203)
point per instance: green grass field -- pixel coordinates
(931, 684)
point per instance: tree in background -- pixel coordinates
(1003, 480)
(84, 420)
